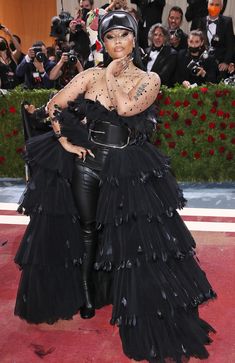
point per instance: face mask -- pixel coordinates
(213, 10)
(194, 49)
(3, 46)
(12, 47)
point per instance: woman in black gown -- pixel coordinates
(104, 226)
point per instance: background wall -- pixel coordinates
(30, 19)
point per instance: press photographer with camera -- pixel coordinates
(67, 66)
(178, 39)
(35, 67)
(8, 60)
(196, 65)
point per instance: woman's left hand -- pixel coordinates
(117, 66)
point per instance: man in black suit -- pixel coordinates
(151, 13)
(178, 39)
(161, 58)
(196, 10)
(218, 30)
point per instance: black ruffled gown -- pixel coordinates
(145, 264)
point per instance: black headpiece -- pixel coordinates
(118, 19)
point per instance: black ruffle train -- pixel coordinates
(145, 264)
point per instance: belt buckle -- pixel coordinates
(90, 138)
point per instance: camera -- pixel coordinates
(194, 66)
(215, 41)
(176, 33)
(60, 24)
(230, 81)
(39, 55)
(2, 26)
(72, 56)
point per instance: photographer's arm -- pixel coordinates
(17, 53)
(56, 71)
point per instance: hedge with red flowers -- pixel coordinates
(11, 135)
(196, 129)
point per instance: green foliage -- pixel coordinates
(196, 131)
(11, 134)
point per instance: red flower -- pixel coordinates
(184, 153)
(167, 125)
(213, 110)
(188, 122)
(197, 155)
(186, 103)
(15, 132)
(195, 95)
(233, 140)
(177, 103)
(204, 89)
(194, 139)
(161, 112)
(219, 93)
(203, 117)
(233, 103)
(215, 103)
(226, 115)
(3, 111)
(226, 92)
(167, 101)
(232, 125)
(201, 131)
(222, 125)
(221, 149)
(8, 136)
(223, 136)
(160, 96)
(171, 144)
(194, 112)
(180, 132)
(229, 156)
(220, 113)
(157, 142)
(2, 159)
(200, 103)
(12, 109)
(19, 150)
(168, 136)
(211, 152)
(175, 115)
(210, 138)
(168, 112)
(212, 125)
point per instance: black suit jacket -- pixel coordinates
(224, 49)
(184, 74)
(165, 65)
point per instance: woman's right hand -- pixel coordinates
(78, 150)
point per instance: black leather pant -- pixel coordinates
(85, 187)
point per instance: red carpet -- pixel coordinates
(95, 341)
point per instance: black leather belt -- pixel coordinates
(106, 134)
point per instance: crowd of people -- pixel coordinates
(206, 54)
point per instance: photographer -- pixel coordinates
(35, 67)
(218, 30)
(80, 38)
(8, 64)
(161, 58)
(195, 65)
(178, 39)
(67, 67)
